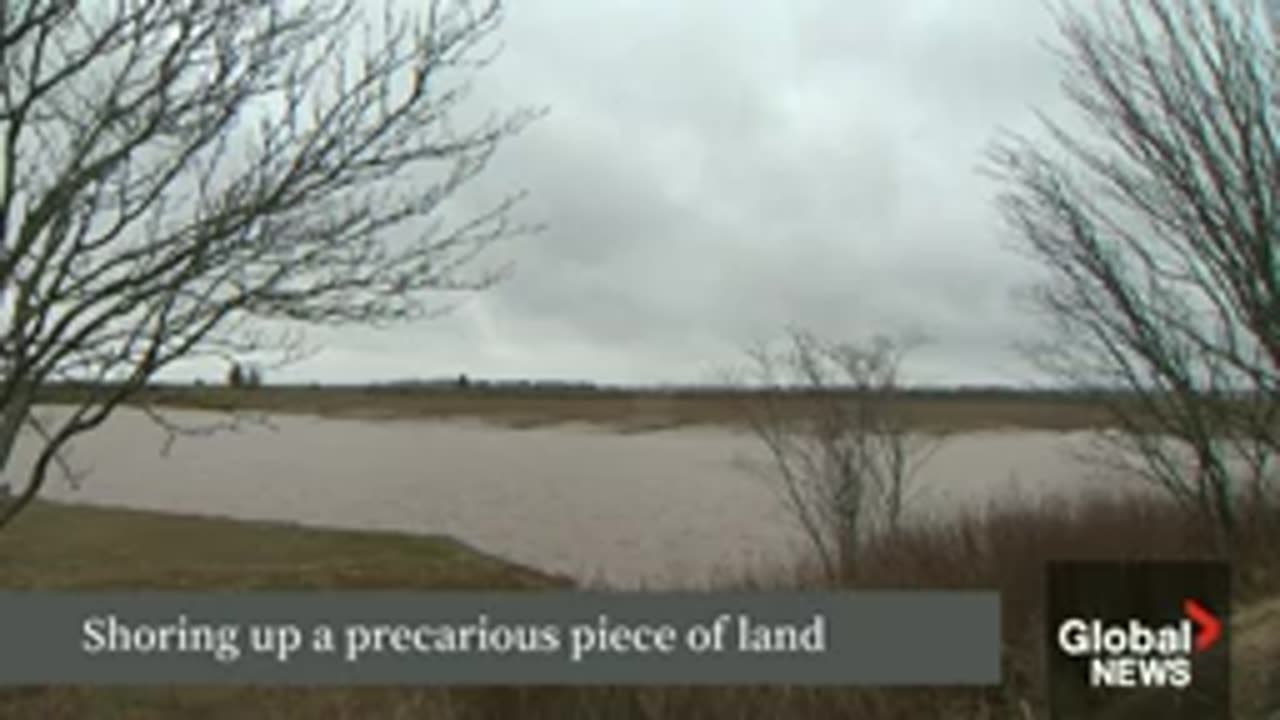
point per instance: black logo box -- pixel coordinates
(1153, 593)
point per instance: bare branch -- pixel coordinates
(1157, 231)
(179, 175)
(839, 451)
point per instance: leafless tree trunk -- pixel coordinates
(173, 173)
(1159, 228)
(839, 449)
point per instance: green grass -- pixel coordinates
(63, 547)
(66, 547)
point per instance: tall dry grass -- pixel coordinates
(1004, 548)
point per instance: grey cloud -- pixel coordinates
(713, 171)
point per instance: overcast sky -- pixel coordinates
(711, 172)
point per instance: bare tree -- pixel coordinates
(1159, 228)
(253, 377)
(177, 177)
(235, 376)
(839, 448)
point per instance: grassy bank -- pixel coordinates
(54, 547)
(68, 547)
(627, 409)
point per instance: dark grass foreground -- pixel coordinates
(63, 547)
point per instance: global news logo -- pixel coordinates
(1134, 654)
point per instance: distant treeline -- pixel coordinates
(67, 391)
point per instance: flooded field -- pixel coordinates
(660, 509)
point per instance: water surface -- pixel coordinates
(662, 509)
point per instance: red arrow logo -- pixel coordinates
(1208, 626)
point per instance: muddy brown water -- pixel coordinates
(659, 509)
